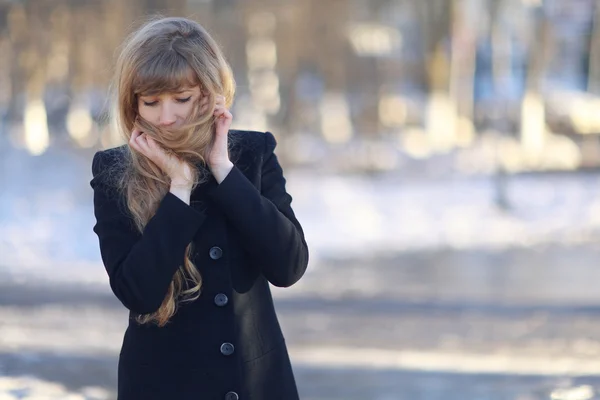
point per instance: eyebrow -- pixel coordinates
(174, 92)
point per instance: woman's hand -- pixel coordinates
(218, 159)
(179, 171)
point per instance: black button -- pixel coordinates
(221, 300)
(227, 349)
(215, 253)
(232, 396)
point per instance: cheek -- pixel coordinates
(147, 113)
(186, 110)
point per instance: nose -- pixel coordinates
(167, 115)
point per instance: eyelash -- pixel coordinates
(153, 103)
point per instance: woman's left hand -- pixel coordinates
(218, 158)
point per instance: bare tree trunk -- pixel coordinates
(462, 64)
(500, 68)
(590, 145)
(435, 19)
(594, 65)
(532, 112)
(440, 121)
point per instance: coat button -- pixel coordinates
(227, 349)
(232, 396)
(221, 300)
(215, 253)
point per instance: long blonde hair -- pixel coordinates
(162, 56)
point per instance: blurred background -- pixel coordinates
(443, 156)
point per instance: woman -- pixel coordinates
(193, 222)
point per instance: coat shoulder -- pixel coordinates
(107, 158)
(251, 145)
(108, 164)
(248, 140)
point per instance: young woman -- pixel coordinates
(194, 222)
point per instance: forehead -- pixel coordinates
(178, 91)
(155, 77)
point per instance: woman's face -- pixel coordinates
(169, 110)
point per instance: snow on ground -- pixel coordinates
(46, 214)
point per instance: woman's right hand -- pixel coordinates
(179, 171)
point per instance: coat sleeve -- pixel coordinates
(270, 232)
(140, 266)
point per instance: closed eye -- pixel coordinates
(155, 102)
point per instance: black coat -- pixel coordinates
(227, 343)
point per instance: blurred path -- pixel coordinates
(520, 324)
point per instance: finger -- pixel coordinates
(218, 112)
(222, 125)
(153, 145)
(141, 138)
(143, 144)
(143, 141)
(134, 134)
(151, 142)
(225, 116)
(133, 139)
(221, 109)
(134, 145)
